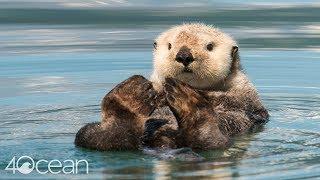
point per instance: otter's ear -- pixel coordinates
(234, 51)
(155, 45)
(235, 58)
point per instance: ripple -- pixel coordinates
(45, 122)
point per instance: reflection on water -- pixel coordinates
(58, 59)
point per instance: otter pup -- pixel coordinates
(211, 98)
(198, 97)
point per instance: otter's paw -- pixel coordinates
(182, 98)
(151, 127)
(159, 133)
(135, 93)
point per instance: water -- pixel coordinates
(57, 61)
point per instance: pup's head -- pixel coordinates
(196, 54)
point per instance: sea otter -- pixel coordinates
(197, 97)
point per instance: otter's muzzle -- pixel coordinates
(184, 56)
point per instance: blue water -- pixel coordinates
(55, 68)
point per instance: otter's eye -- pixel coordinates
(155, 45)
(210, 47)
(169, 46)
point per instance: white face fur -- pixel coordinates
(210, 65)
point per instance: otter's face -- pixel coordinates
(196, 54)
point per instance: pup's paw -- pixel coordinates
(182, 98)
(135, 94)
(159, 133)
(151, 126)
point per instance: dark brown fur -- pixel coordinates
(124, 112)
(161, 129)
(135, 115)
(207, 122)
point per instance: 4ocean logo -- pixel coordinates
(26, 164)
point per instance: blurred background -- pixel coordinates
(58, 58)
(54, 26)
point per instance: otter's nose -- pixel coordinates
(184, 56)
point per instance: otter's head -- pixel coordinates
(196, 54)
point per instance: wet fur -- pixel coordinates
(136, 114)
(182, 116)
(125, 109)
(207, 121)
